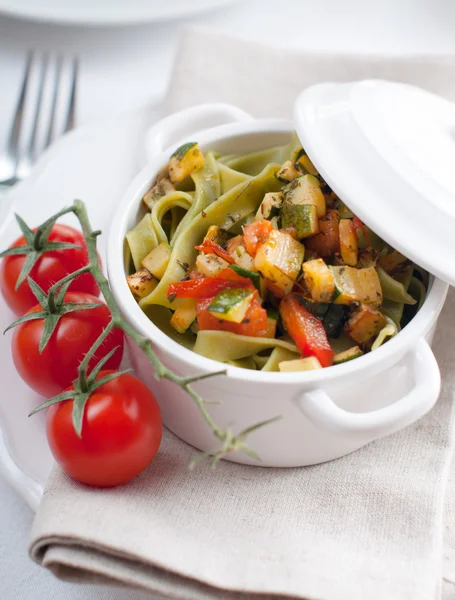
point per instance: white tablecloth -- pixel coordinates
(125, 67)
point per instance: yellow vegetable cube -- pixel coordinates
(141, 283)
(319, 280)
(301, 364)
(185, 160)
(184, 315)
(306, 190)
(157, 260)
(287, 171)
(210, 264)
(279, 260)
(348, 242)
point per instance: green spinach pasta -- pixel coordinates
(254, 261)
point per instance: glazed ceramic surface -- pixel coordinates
(323, 414)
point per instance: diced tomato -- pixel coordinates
(358, 224)
(208, 287)
(255, 234)
(211, 247)
(234, 243)
(306, 330)
(254, 324)
(327, 242)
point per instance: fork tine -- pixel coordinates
(50, 129)
(13, 141)
(70, 117)
(31, 148)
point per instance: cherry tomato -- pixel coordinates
(49, 268)
(55, 369)
(121, 433)
(306, 330)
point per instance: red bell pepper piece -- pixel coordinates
(255, 234)
(306, 330)
(209, 287)
(211, 247)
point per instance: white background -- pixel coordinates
(123, 68)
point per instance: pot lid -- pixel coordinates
(388, 151)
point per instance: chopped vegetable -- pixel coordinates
(210, 247)
(142, 283)
(347, 355)
(287, 171)
(185, 160)
(303, 217)
(162, 187)
(208, 287)
(357, 285)
(243, 259)
(216, 234)
(279, 260)
(301, 364)
(304, 163)
(364, 324)
(231, 304)
(234, 243)
(210, 265)
(306, 330)
(254, 323)
(157, 260)
(393, 261)
(255, 277)
(327, 242)
(255, 234)
(348, 242)
(272, 200)
(184, 316)
(319, 280)
(306, 190)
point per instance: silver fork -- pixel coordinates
(18, 159)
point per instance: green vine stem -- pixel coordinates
(229, 442)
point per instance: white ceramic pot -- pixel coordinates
(326, 413)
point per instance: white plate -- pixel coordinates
(106, 12)
(94, 164)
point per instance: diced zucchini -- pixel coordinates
(306, 190)
(364, 324)
(141, 283)
(184, 316)
(215, 234)
(306, 165)
(162, 187)
(185, 160)
(210, 264)
(157, 260)
(255, 277)
(319, 280)
(244, 259)
(231, 304)
(272, 200)
(348, 242)
(301, 364)
(287, 171)
(303, 217)
(350, 354)
(357, 285)
(279, 260)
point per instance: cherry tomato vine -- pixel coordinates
(89, 379)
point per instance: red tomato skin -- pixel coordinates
(121, 433)
(208, 287)
(55, 369)
(49, 269)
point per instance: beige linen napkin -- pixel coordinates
(369, 526)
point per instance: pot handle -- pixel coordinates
(185, 123)
(322, 411)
